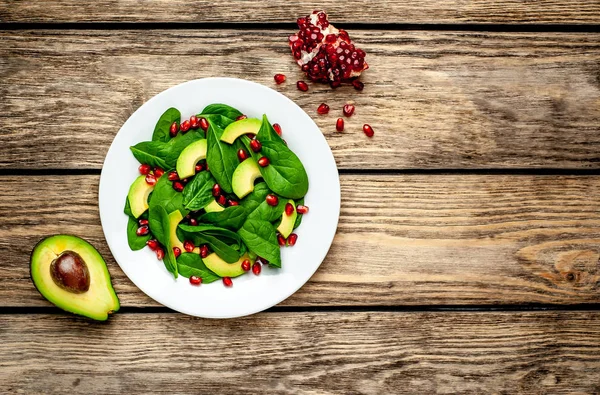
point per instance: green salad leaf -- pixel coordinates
(198, 192)
(159, 226)
(221, 158)
(225, 243)
(285, 175)
(259, 236)
(163, 126)
(190, 264)
(153, 153)
(231, 218)
(256, 197)
(221, 109)
(135, 242)
(164, 195)
(267, 133)
(267, 212)
(298, 215)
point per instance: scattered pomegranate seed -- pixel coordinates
(279, 78)
(291, 240)
(216, 190)
(242, 154)
(193, 222)
(227, 281)
(198, 168)
(348, 110)
(203, 124)
(289, 209)
(222, 200)
(158, 172)
(143, 222)
(142, 230)
(256, 268)
(185, 126)
(144, 169)
(195, 280)
(272, 200)
(241, 117)
(277, 128)
(339, 125)
(160, 253)
(178, 186)
(281, 240)
(150, 179)
(176, 251)
(368, 130)
(263, 162)
(303, 86)
(323, 109)
(232, 203)
(188, 246)
(174, 129)
(246, 265)
(359, 86)
(302, 209)
(153, 244)
(255, 145)
(194, 122)
(173, 176)
(204, 251)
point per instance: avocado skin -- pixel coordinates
(99, 308)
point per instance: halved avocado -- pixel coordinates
(138, 196)
(70, 273)
(239, 128)
(244, 175)
(224, 269)
(213, 207)
(189, 157)
(287, 221)
(174, 219)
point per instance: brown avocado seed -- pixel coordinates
(70, 272)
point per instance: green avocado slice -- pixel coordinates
(138, 196)
(287, 221)
(189, 157)
(224, 269)
(239, 128)
(244, 176)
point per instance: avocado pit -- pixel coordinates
(70, 272)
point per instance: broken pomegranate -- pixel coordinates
(325, 53)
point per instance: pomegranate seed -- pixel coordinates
(291, 240)
(323, 109)
(150, 179)
(302, 86)
(176, 251)
(272, 200)
(227, 281)
(241, 117)
(256, 268)
(255, 145)
(195, 280)
(339, 125)
(178, 186)
(203, 124)
(289, 209)
(173, 129)
(242, 154)
(368, 130)
(263, 162)
(144, 169)
(302, 209)
(184, 181)
(153, 244)
(280, 78)
(193, 222)
(198, 168)
(348, 110)
(143, 222)
(142, 230)
(188, 246)
(185, 126)
(222, 200)
(331, 38)
(246, 265)
(204, 251)
(277, 128)
(359, 86)
(281, 240)
(216, 190)
(158, 172)
(251, 136)
(232, 203)
(194, 122)
(160, 253)
(173, 176)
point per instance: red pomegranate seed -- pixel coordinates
(339, 125)
(227, 281)
(323, 109)
(184, 181)
(256, 268)
(289, 209)
(204, 251)
(263, 162)
(255, 145)
(143, 222)
(303, 86)
(194, 122)
(193, 222)
(279, 78)
(232, 203)
(158, 172)
(144, 169)
(195, 280)
(185, 126)
(277, 128)
(188, 246)
(222, 200)
(176, 251)
(246, 265)
(331, 38)
(368, 130)
(291, 240)
(281, 240)
(178, 186)
(174, 129)
(173, 176)
(160, 253)
(302, 209)
(241, 117)
(198, 168)
(272, 200)
(150, 179)
(359, 86)
(153, 244)
(203, 124)
(242, 155)
(216, 190)
(348, 110)
(142, 230)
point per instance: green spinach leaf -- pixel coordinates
(163, 126)
(256, 197)
(298, 216)
(259, 236)
(135, 242)
(218, 120)
(221, 158)
(164, 195)
(127, 209)
(225, 243)
(267, 133)
(268, 213)
(189, 264)
(153, 153)
(231, 218)
(221, 109)
(285, 175)
(159, 226)
(198, 192)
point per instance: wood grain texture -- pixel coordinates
(435, 99)
(308, 353)
(254, 11)
(401, 240)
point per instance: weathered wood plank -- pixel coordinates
(435, 99)
(254, 11)
(402, 240)
(312, 353)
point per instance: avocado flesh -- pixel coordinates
(138, 196)
(189, 157)
(213, 207)
(244, 176)
(98, 301)
(239, 128)
(287, 221)
(174, 219)
(224, 269)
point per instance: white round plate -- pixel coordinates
(249, 294)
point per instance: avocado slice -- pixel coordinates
(174, 219)
(239, 128)
(213, 207)
(138, 196)
(224, 269)
(186, 163)
(243, 177)
(70, 273)
(287, 221)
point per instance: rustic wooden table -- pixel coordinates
(467, 254)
